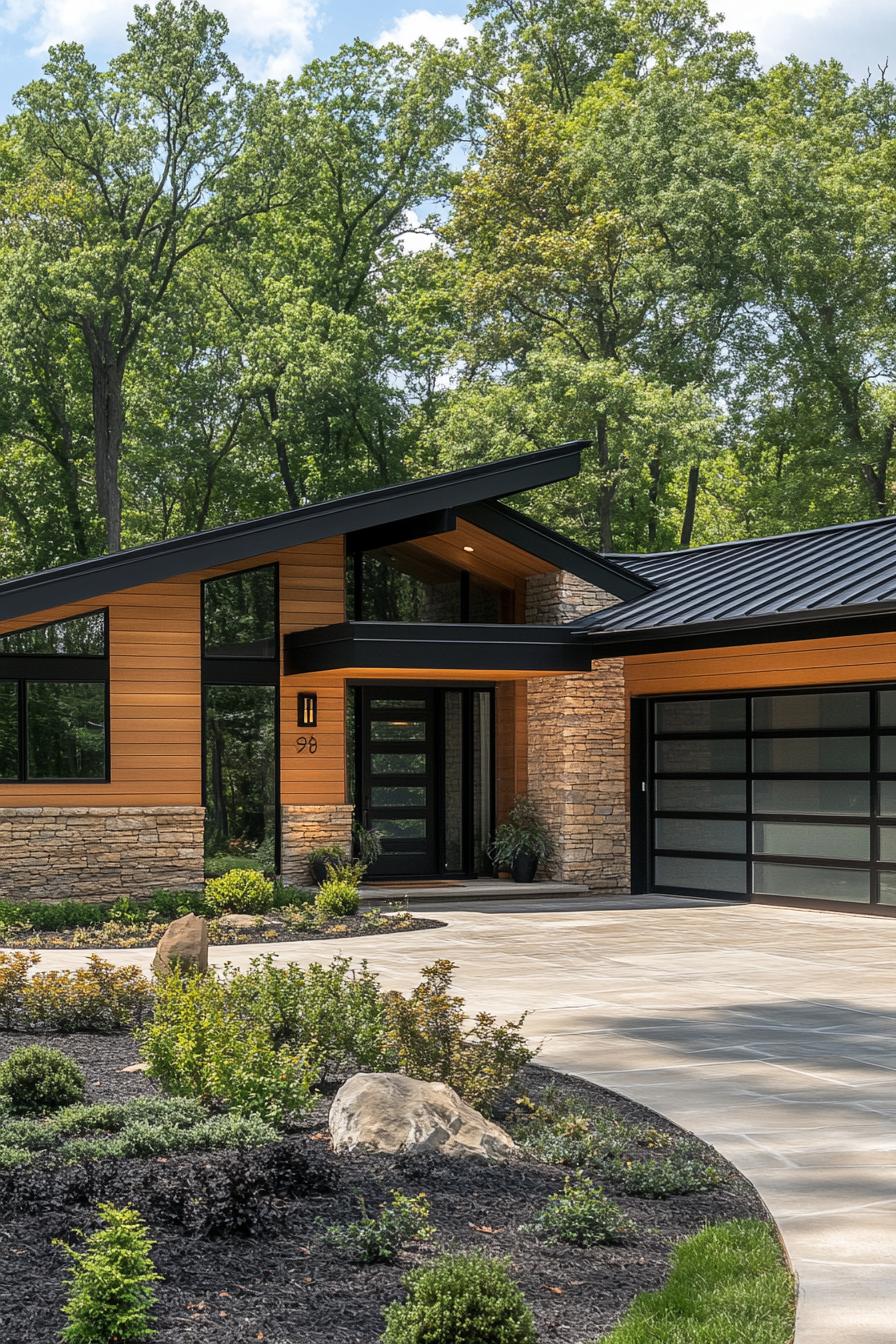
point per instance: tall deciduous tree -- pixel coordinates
(130, 170)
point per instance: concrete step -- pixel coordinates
(480, 889)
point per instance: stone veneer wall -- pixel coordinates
(305, 827)
(98, 853)
(578, 747)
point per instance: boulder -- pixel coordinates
(240, 922)
(389, 1113)
(185, 944)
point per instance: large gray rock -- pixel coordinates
(389, 1113)
(184, 944)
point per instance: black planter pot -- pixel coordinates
(524, 868)
(319, 869)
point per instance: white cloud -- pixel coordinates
(417, 237)
(859, 33)
(268, 38)
(436, 28)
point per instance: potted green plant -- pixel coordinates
(324, 857)
(368, 844)
(521, 842)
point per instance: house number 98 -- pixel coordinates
(308, 744)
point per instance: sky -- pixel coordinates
(276, 37)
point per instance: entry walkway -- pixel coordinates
(770, 1032)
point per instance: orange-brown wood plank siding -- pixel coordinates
(807, 662)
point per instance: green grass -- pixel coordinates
(728, 1283)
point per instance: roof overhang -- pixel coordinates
(373, 510)
(778, 627)
(353, 645)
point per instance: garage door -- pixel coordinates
(784, 796)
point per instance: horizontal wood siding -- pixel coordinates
(156, 688)
(807, 662)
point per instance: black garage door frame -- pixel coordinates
(644, 813)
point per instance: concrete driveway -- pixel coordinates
(770, 1032)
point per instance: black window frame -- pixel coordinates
(240, 670)
(645, 775)
(23, 668)
(356, 585)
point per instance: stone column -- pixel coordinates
(306, 826)
(578, 747)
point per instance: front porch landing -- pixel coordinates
(459, 889)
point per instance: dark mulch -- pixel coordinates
(281, 1285)
(352, 926)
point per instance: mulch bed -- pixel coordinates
(352, 926)
(281, 1285)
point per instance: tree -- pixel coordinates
(131, 170)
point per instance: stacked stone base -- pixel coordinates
(311, 826)
(99, 853)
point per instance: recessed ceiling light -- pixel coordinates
(469, 548)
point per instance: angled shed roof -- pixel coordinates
(393, 504)
(798, 580)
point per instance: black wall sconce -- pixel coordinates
(307, 709)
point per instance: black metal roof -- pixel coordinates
(798, 580)
(456, 490)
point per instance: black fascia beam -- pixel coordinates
(780, 628)
(86, 579)
(426, 647)
(514, 527)
(407, 529)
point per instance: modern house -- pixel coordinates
(719, 720)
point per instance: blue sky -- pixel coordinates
(275, 37)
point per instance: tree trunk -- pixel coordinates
(287, 477)
(607, 489)
(875, 475)
(690, 506)
(107, 372)
(653, 500)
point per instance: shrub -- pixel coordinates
(198, 1044)
(461, 1299)
(583, 1215)
(378, 1240)
(563, 1131)
(36, 1079)
(334, 1013)
(111, 1298)
(658, 1178)
(241, 891)
(96, 997)
(14, 971)
(173, 904)
(426, 1036)
(338, 894)
(51, 916)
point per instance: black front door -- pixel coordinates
(424, 777)
(398, 778)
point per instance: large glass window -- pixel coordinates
(66, 729)
(82, 636)
(406, 583)
(240, 614)
(53, 719)
(240, 774)
(9, 730)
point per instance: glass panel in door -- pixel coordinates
(398, 745)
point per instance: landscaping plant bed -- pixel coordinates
(281, 1283)
(263, 929)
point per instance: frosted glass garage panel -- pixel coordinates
(806, 755)
(701, 716)
(701, 756)
(886, 713)
(888, 844)
(701, 833)
(813, 797)
(812, 840)
(722, 875)
(810, 883)
(701, 795)
(811, 710)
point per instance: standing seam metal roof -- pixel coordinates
(844, 565)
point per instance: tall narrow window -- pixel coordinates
(53, 702)
(240, 691)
